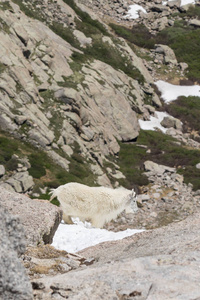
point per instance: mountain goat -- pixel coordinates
(95, 204)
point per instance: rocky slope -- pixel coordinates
(74, 91)
(162, 263)
(54, 95)
(159, 264)
(156, 15)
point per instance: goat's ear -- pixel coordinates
(133, 193)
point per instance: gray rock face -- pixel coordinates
(14, 283)
(99, 109)
(39, 218)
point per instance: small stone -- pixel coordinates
(156, 195)
(153, 214)
(37, 285)
(143, 197)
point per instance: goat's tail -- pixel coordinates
(53, 194)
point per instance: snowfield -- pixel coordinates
(170, 92)
(75, 237)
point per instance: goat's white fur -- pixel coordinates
(95, 204)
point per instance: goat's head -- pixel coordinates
(133, 202)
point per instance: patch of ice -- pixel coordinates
(133, 11)
(171, 92)
(73, 238)
(154, 122)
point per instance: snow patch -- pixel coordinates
(171, 92)
(183, 2)
(73, 238)
(154, 122)
(133, 12)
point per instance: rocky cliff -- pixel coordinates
(73, 89)
(66, 81)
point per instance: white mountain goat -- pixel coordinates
(95, 204)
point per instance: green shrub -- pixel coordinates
(32, 13)
(12, 164)
(185, 42)
(138, 35)
(191, 175)
(163, 150)
(182, 38)
(87, 24)
(55, 202)
(45, 171)
(8, 147)
(113, 57)
(5, 5)
(130, 160)
(65, 33)
(192, 12)
(38, 164)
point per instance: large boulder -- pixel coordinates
(39, 218)
(153, 167)
(194, 23)
(167, 52)
(174, 4)
(169, 122)
(14, 283)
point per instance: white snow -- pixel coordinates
(183, 2)
(154, 122)
(135, 8)
(75, 237)
(171, 92)
(133, 11)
